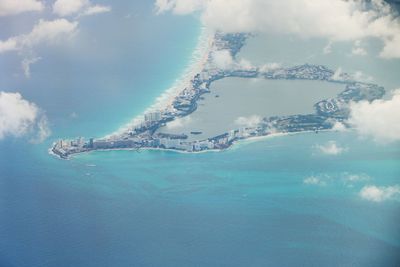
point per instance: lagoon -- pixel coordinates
(244, 206)
(232, 98)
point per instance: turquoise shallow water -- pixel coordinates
(244, 206)
(247, 206)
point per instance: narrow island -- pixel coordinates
(146, 133)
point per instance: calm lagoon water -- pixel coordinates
(247, 206)
(231, 98)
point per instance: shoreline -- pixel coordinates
(236, 144)
(181, 99)
(198, 61)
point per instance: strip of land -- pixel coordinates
(148, 133)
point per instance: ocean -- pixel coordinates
(247, 206)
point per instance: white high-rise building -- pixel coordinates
(80, 141)
(170, 143)
(242, 132)
(152, 116)
(231, 135)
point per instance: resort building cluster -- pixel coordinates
(146, 134)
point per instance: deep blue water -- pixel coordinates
(247, 206)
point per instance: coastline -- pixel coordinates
(255, 139)
(235, 145)
(138, 150)
(51, 153)
(197, 63)
(181, 99)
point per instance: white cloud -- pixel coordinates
(359, 76)
(179, 123)
(244, 64)
(379, 119)
(356, 177)
(43, 32)
(26, 65)
(379, 194)
(163, 6)
(13, 7)
(96, 9)
(340, 179)
(339, 127)
(358, 49)
(362, 77)
(16, 115)
(78, 7)
(181, 7)
(331, 148)
(251, 121)
(391, 48)
(313, 180)
(69, 7)
(270, 66)
(19, 117)
(222, 59)
(8, 45)
(338, 75)
(350, 179)
(328, 48)
(42, 130)
(336, 20)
